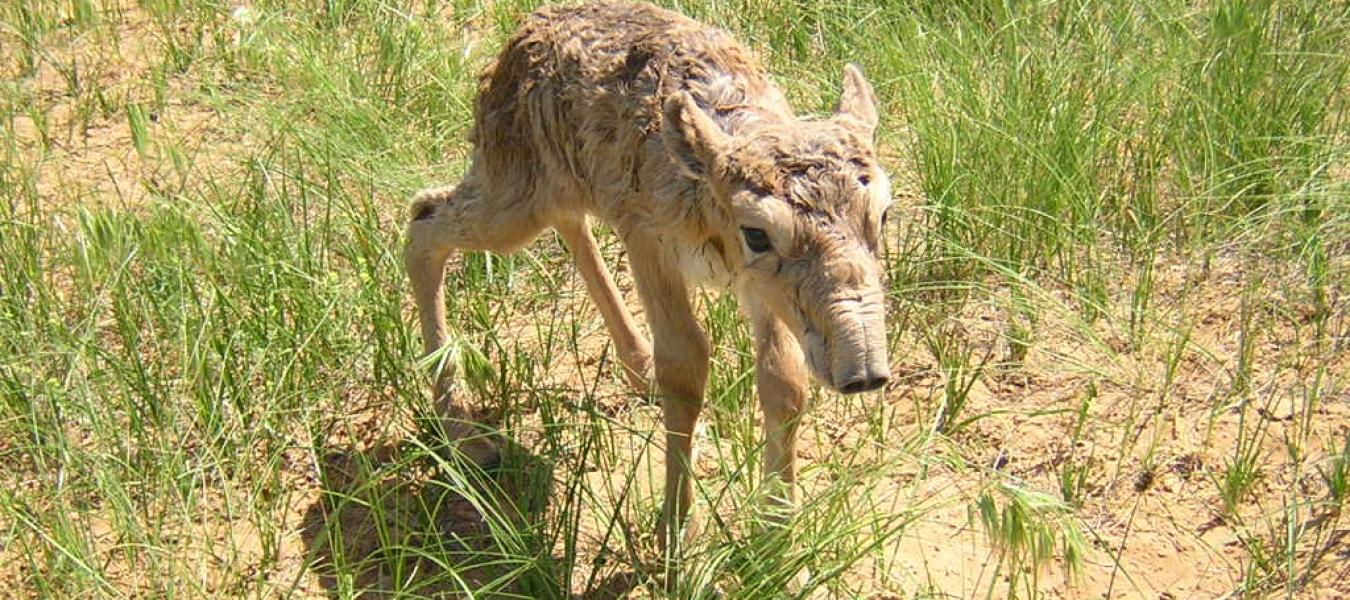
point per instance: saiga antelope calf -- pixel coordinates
(671, 132)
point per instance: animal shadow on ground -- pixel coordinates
(400, 519)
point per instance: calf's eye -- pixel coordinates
(756, 239)
(863, 179)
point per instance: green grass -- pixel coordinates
(1118, 266)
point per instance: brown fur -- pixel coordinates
(671, 132)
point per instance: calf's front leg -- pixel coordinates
(635, 352)
(680, 356)
(780, 372)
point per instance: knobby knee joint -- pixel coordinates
(682, 365)
(425, 203)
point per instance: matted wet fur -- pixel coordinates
(670, 131)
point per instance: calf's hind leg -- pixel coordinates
(470, 216)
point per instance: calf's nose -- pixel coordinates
(865, 383)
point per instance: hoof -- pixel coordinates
(484, 450)
(459, 435)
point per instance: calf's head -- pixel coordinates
(799, 207)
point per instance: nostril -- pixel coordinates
(865, 384)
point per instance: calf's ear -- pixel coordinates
(691, 136)
(858, 102)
